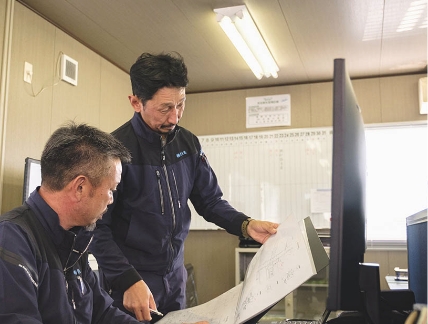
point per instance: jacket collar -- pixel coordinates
(76, 239)
(144, 131)
(47, 216)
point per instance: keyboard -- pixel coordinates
(299, 321)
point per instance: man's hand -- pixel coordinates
(138, 299)
(260, 231)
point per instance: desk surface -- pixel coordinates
(396, 284)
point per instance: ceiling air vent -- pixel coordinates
(69, 69)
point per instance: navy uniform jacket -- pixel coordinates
(44, 272)
(145, 228)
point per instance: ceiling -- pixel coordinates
(304, 36)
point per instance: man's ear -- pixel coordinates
(135, 103)
(79, 186)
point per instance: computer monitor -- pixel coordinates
(32, 177)
(416, 228)
(354, 286)
(348, 220)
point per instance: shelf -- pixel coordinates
(304, 302)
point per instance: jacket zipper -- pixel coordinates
(75, 251)
(72, 299)
(160, 192)
(171, 202)
(168, 186)
(176, 188)
(69, 267)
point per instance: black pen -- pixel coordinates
(155, 312)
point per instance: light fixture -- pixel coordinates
(238, 25)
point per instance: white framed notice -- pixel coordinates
(321, 201)
(267, 111)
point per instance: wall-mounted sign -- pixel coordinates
(266, 111)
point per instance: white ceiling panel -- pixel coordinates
(304, 36)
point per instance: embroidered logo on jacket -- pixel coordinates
(179, 155)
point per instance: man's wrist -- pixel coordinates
(244, 227)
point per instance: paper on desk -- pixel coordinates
(281, 265)
(220, 310)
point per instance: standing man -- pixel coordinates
(139, 243)
(44, 271)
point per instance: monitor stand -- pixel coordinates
(370, 291)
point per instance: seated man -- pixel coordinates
(44, 271)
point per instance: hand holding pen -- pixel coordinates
(153, 311)
(139, 300)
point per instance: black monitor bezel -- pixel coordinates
(348, 221)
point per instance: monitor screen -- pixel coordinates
(348, 222)
(32, 177)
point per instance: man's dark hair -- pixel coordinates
(79, 149)
(152, 72)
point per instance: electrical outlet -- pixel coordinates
(28, 72)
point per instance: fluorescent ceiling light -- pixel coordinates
(238, 25)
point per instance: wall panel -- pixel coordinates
(368, 94)
(2, 28)
(28, 120)
(321, 104)
(79, 103)
(383, 100)
(35, 110)
(115, 87)
(399, 99)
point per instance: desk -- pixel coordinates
(396, 284)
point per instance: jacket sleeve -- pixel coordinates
(19, 277)
(207, 199)
(116, 269)
(103, 310)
